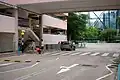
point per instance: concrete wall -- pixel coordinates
(53, 39)
(54, 22)
(6, 42)
(7, 24)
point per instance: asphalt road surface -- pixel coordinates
(83, 64)
(58, 67)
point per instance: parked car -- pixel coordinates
(67, 45)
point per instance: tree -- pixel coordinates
(76, 25)
(91, 33)
(108, 35)
(118, 22)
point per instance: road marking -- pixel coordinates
(86, 53)
(58, 53)
(105, 54)
(47, 53)
(6, 64)
(94, 54)
(75, 53)
(65, 69)
(20, 68)
(115, 55)
(111, 72)
(57, 58)
(66, 53)
(34, 74)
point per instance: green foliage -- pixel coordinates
(108, 35)
(76, 25)
(91, 33)
(118, 21)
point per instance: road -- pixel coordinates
(82, 64)
(64, 65)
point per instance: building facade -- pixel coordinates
(47, 29)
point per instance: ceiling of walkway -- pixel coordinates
(71, 5)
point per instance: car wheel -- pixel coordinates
(62, 49)
(74, 49)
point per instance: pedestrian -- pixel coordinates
(19, 46)
(38, 50)
(33, 46)
(42, 48)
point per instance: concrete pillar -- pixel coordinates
(15, 39)
(41, 29)
(30, 21)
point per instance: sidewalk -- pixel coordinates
(8, 54)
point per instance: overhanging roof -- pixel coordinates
(71, 5)
(6, 5)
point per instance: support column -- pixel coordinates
(15, 39)
(41, 30)
(30, 23)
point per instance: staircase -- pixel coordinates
(29, 37)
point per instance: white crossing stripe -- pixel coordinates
(105, 54)
(115, 55)
(75, 53)
(66, 53)
(47, 53)
(95, 54)
(86, 53)
(58, 53)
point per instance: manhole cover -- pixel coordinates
(89, 65)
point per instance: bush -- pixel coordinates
(108, 35)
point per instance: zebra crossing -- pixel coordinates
(105, 54)
(78, 53)
(95, 54)
(115, 55)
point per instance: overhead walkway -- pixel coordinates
(52, 6)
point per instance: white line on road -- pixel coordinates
(20, 68)
(86, 53)
(6, 64)
(107, 74)
(57, 58)
(75, 53)
(66, 53)
(59, 53)
(56, 54)
(115, 55)
(65, 69)
(95, 54)
(47, 53)
(34, 73)
(105, 54)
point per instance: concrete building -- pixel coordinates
(49, 27)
